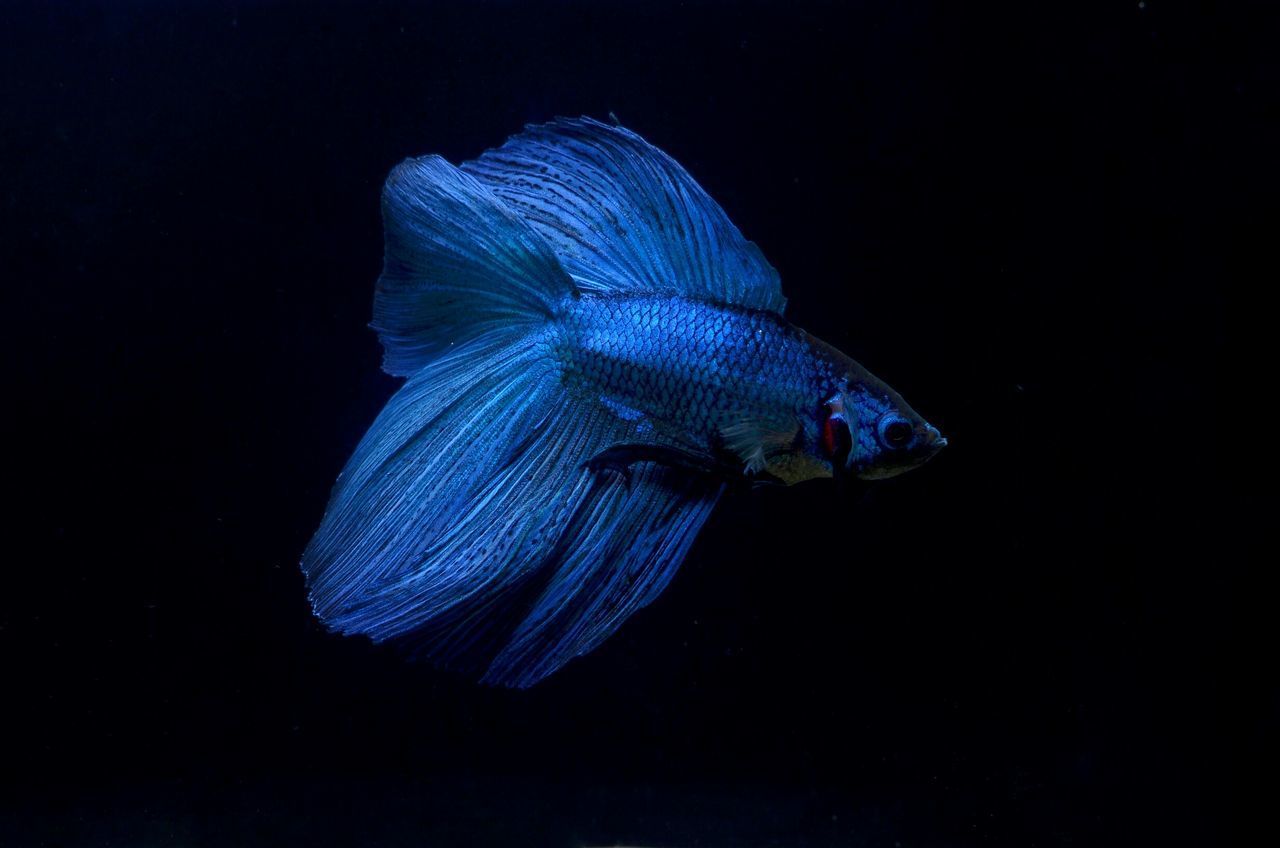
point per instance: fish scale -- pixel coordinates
(690, 366)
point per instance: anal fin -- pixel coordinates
(625, 542)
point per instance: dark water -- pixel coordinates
(1029, 220)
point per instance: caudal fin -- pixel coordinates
(469, 526)
(459, 265)
(469, 529)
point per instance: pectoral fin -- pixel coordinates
(754, 440)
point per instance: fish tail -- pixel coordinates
(469, 527)
(462, 308)
(459, 266)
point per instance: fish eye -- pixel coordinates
(895, 431)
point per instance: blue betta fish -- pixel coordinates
(593, 352)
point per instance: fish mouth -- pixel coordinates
(936, 440)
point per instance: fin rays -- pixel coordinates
(622, 215)
(474, 525)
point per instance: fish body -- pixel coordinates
(593, 353)
(687, 371)
(698, 375)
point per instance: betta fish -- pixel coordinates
(594, 352)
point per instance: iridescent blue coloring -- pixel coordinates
(593, 352)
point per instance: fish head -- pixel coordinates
(868, 431)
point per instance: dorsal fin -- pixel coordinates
(622, 216)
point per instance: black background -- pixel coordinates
(1030, 220)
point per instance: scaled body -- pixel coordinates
(690, 369)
